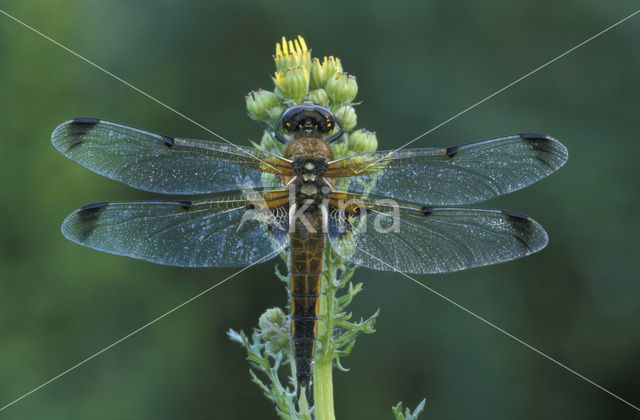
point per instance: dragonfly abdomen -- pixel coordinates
(305, 268)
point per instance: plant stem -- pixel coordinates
(323, 365)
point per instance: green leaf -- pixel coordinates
(408, 415)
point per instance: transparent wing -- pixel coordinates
(158, 163)
(227, 232)
(430, 240)
(454, 175)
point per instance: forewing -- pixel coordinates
(227, 232)
(159, 163)
(430, 240)
(454, 175)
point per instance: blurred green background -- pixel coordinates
(417, 63)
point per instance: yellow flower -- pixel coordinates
(322, 72)
(292, 83)
(292, 54)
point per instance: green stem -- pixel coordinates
(323, 365)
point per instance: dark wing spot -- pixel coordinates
(523, 227)
(79, 127)
(86, 122)
(541, 144)
(515, 215)
(93, 210)
(88, 217)
(169, 141)
(186, 204)
(452, 151)
(537, 141)
(426, 210)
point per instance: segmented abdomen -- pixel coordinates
(305, 267)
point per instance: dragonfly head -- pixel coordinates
(308, 120)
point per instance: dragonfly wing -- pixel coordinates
(431, 240)
(164, 164)
(227, 232)
(454, 175)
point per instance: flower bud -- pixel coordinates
(318, 96)
(268, 142)
(342, 88)
(274, 330)
(292, 83)
(347, 116)
(274, 114)
(339, 149)
(259, 103)
(322, 72)
(362, 141)
(292, 54)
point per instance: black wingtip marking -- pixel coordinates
(535, 136)
(452, 151)
(514, 215)
(543, 146)
(523, 225)
(426, 210)
(85, 120)
(79, 127)
(538, 142)
(93, 208)
(169, 141)
(186, 204)
(88, 217)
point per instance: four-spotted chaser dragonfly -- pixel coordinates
(363, 205)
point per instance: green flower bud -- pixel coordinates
(259, 103)
(342, 88)
(362, 141)
(274, 114)
(267, 142)
(347, 116)
(292, 54)
(318, 96)
(340, 148)
(274, 330)
(322, 72)
(292, 83)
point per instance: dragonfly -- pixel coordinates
(394, 210)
